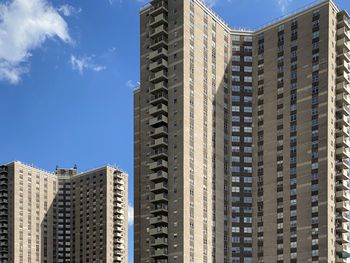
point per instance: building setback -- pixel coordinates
(64, 216)
(241, 137)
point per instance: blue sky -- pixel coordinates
(67, 71)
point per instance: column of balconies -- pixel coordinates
(342, 141)
(4, 214)
(158, 111)
(119, 218)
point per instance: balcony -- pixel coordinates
(343, 66)
(343, 77)
(158, 220)
(158, 121)
(158, 65)
(162, 86)
(343, 20)
(160, 252)
(343, 99)
(160, 187)
(342, 206)
(343, 32)
(342, 196)
(159, 132)
(343, 56)
(342, 132)
(342, 152)
(159, 165)
(159, 109)
(163, 19)
(159, 43)
(343, 109)
(343, 88)
(159, 142)
(161, 30)
(159, 242)
(343, 44)
(159, 177)
(160, 154)
(158, 76)
(158, 231)
(159, 53)
(160, 209)
(341, 260)
(342, 174)
(342, 121)
(163, 197)
(342, 248)
(342, 238)
(342, 185)
(159, 98)
(159, 8)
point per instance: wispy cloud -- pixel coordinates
(283, 4)
(211, 3)
(132, 84)
(25, 26)
(130, 215)
(85, 63)
(68, 10)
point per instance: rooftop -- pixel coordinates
(245, 30)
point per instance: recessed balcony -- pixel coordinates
(159, 142)
(160, 19)
(342, 220)
(158, 165)
(342, 206)
(343, 77)
(161, 7)
(159, 177)
(343, 32)
(343, 141)
(158, 76)
(160, 253)
(342, 132)
(342, 248)
(159, 242)
(159, 187)
(343, 66)
(158, 65)
(159, 132)
(343, 109)
(342, 121)
(159, 98)
(159, 109)
(343, 88)
(343, 44)
(344, 56)
(163, 197)
(342, 152)
(342, 185)
(160, 209)
(343, 99)
(158, 220)
(161, 42)
(158, 231)
(342, 238)
(343, 19)
(342, 195)
(159, 53)
(161, 86)
(158, 121)
(342, 174)
(161, 30)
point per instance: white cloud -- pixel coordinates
(85, 63)
(68, 10)
(283, 4)
(130, 215)
(24, 26)
(131, 84)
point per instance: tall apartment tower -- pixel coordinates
(241, 137)
(64, 216)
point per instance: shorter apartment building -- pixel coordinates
(64, 216)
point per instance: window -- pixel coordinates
(248, 59)
(236, 48)
(248, 39)
(236, 68)
(236, 38)
(236, 58)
